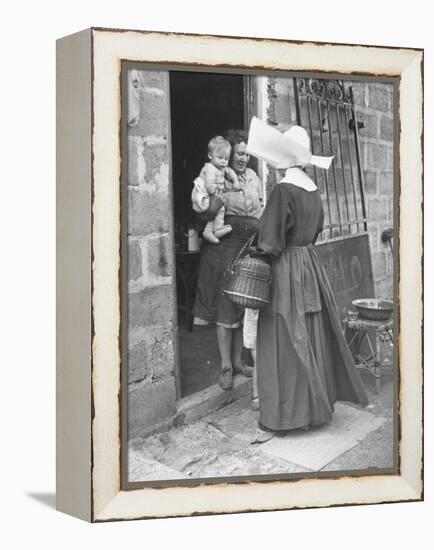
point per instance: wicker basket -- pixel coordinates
(249, 285)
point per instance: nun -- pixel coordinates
(304, 364)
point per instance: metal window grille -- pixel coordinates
(326, 109)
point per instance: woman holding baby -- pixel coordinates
(237, 190)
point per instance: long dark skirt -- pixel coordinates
(304, 363)
(211, 305)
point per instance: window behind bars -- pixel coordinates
(326, 109)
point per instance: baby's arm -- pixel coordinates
(214, 201)
(199, 196)
(232, 177)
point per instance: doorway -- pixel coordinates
(202, 105)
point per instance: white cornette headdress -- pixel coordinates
(282, 150)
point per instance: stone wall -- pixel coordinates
(375, 106)
(151, 296)
(374, 103)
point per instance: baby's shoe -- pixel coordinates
(210, 237)
(223, 231)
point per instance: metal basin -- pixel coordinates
(374, 309)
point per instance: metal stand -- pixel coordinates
(360, 330)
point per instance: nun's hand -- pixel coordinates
(254, 252)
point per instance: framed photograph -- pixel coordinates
(239, 274)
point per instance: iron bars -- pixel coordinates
(326, 109)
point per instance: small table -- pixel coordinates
(358, 330)
(187, 268)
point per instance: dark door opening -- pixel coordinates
(202, 105)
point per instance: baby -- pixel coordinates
(211, 181)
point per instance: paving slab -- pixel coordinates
(141, 468)
(317, 447)
(240, 422)
(201, 450)
(377, 450)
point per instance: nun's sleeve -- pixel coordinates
(275, 222)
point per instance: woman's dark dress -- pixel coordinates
(242, 212)
(304, 364)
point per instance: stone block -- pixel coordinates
(160, 256)
(373, 237)
(390, 157)
(135, 146)
(377, 156)
(151, 306)
(282, 110)
(377, 210)
(359, 93)
(155, 155)
(371, 183)
(139, 367)
(154, 118)
(134, 260)
(364, 154)
(148, 211)
(153, 103)
(371, 129)
(282, 87)
(380, 97)
(384, 288)
(386, 183)
(150, 404)
(386, 128)
(151, 355)
(391, 269)
(392, 209)
(154, 80)
(379, 264)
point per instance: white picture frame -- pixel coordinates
(88, 259)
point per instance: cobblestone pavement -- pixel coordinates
(228, 442)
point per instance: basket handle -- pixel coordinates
(242, 250)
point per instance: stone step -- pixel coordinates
(195, 406)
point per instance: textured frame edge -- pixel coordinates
(73, 275)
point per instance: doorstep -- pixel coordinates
(197, 405)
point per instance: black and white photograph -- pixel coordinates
(258, 275)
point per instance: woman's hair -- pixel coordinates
(235, 137)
